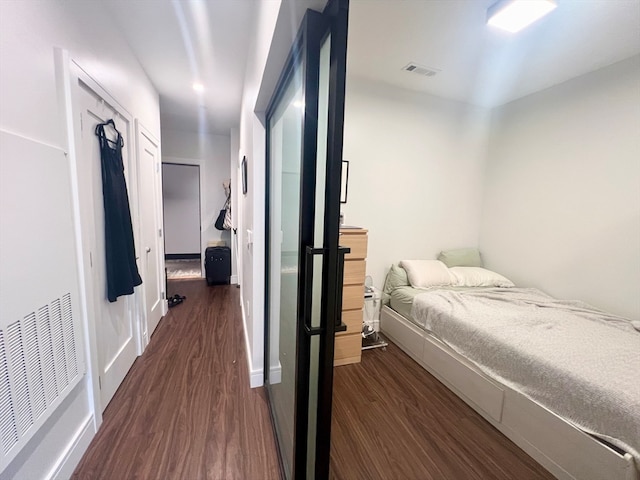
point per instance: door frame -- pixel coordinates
(315, 27)
(86, 226)
(67, 73)
(193, 162)
(158, 210)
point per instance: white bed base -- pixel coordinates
(564, 450)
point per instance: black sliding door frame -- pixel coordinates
(306, 53)
(337, 14)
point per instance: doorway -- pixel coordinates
(304, 264)
(181, 200)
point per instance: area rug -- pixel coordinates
(183, 268)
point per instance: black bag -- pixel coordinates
(220, 220)
(217, 265)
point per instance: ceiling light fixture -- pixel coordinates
(514, 15)
(198, 87)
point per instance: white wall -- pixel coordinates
(277, 23)
(416, 165)
(211, 152)
(29, 31)
(252, 286)
(181, 203)
(236, 193)
(562, 201)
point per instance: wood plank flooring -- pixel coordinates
(185, 410)
(393, 420)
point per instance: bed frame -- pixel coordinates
(564, 450)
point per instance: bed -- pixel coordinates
(507, 351)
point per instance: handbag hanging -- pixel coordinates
(222, 223)
(220, 220)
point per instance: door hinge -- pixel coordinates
(163, 295)
(90, 259)
(100, 382)
(160, 232)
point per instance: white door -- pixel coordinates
(149, 201)
(115, 323)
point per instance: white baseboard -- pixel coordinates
(74, 452)
(234, 280)
(275, 374)
(256, 377)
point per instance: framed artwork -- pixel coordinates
(244, 175)
(344, 181)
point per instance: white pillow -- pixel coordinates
(426, 273)
(477, 277)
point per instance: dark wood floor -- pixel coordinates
(185, 410)
(393, 420)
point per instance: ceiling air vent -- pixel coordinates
(420, 69)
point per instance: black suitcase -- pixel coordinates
(217, 265)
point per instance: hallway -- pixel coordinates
(185, 409)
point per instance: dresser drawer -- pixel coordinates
(354, 271)
(356, 240)
(352, 297)
(348, 349)
(353, 320)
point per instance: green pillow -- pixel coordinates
(397, 277)
(461, 257)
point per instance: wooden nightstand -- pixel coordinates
(348, 346)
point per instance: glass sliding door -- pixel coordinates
(304, 269)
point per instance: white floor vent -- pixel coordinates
(38, 362)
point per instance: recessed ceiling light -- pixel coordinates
(514, 15)
(198, 87)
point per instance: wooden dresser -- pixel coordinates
(348, 346)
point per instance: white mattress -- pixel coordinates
(580, 363)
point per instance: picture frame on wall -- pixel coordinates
(344, 181)
(244, 175)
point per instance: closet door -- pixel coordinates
(151, 240)
(116, 326)
(304, 264)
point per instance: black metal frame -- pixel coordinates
(344, 194)
(306, 51)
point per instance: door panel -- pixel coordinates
(114, 322)
(285, 149)
(151, 242)
(304, 263)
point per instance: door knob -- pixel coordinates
(148, 249)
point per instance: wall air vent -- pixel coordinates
(40, 362)
(420, 69)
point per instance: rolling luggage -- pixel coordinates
(217, 265)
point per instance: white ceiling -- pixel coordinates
(178, 43)
(479, 64)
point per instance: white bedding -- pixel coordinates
(580, 363)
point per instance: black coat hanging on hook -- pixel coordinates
(122, 271)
